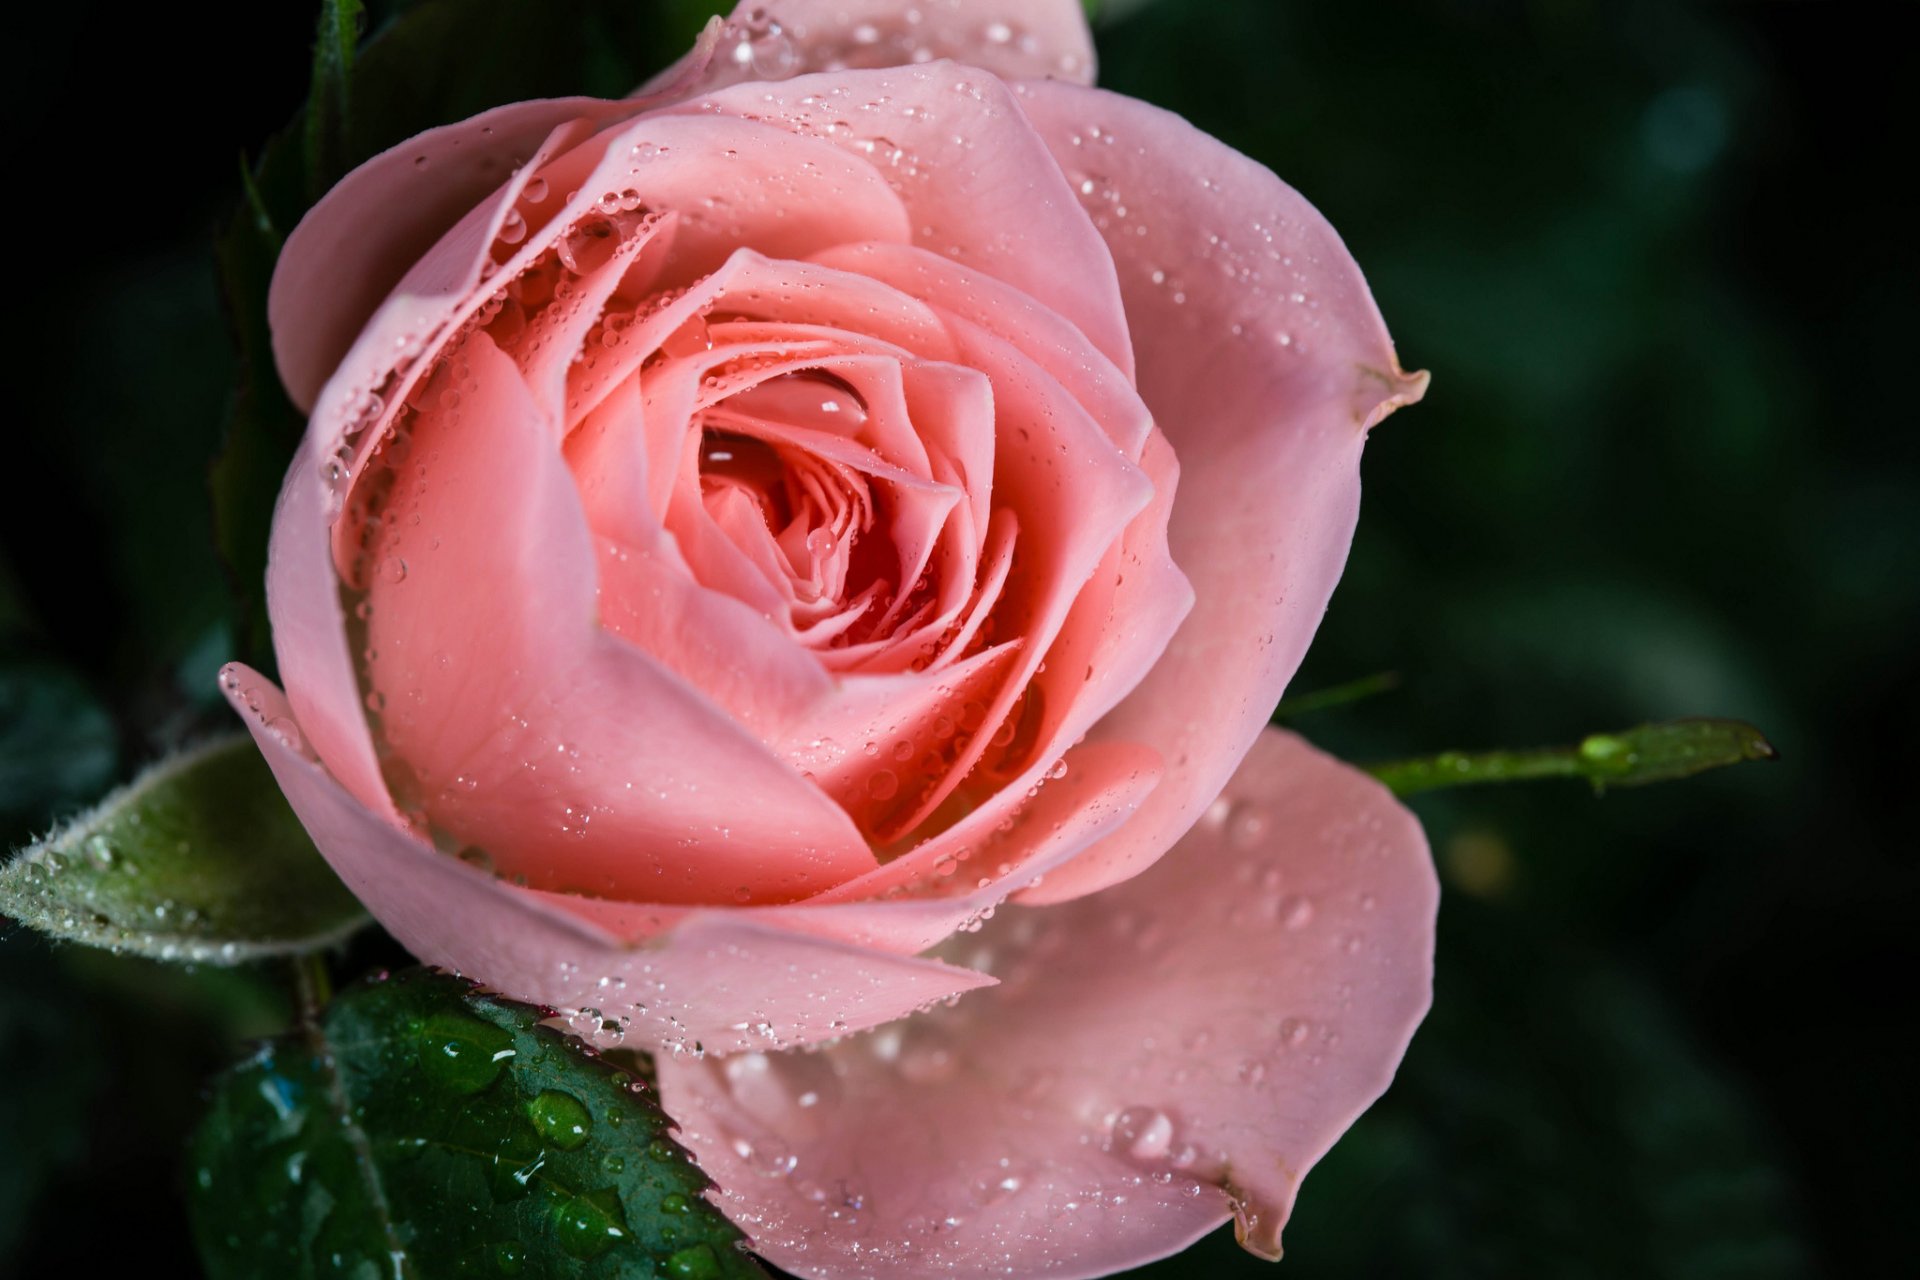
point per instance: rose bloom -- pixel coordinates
(812, 549)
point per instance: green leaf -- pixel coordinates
(263, 427)
(330, 97)
(421, 1129)
(1630, 758)
(199, 860)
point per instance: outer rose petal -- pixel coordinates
(1264, 361)
(1195, 1038)
(719, 979)
(355, 245)
(991, 201)
(377, 222)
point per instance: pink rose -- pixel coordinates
(748, 532)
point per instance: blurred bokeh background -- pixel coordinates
(1653, 255)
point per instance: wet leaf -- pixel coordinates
(199, 859)
(421, 1129)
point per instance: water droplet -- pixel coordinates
(513, 227)
(517, 1161)
(1247, 826)
(883, 785)
(508, 1259)
(560, 1119)
(591, 1223)
(393, 570)
(535, 191)
(1143, 1133)
(284, 729)
(462, 1054)
(696, 1262)
(768, 1157)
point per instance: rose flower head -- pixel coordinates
(803, 558)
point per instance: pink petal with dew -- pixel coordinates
(1264, 361)
(1018, 39)
(720, 980)
(309, 623)
(354, 246)
(444, 287)
(905, 908)
(1104, 389)
(552, 747)
(977, 182)
(1178, 1050)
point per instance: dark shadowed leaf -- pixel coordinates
(47, 1082)
(198, 859)
(57, 743)
(330, 96)
(420, 1129)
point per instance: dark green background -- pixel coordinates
(1652, 255)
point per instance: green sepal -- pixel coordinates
(199, 859)
(1630, 758)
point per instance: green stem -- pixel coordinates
(1338, 696)
(1630, 758)
(312, 987)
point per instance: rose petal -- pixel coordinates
(566, 754)
(344, 257)
(1194, 1038)
(721, 980)
(1104, 389)
(905, 907)
(1018, 39)
(994, 200)
(1264, 361)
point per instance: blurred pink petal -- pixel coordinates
(1181, 1046)
(1264, 361)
